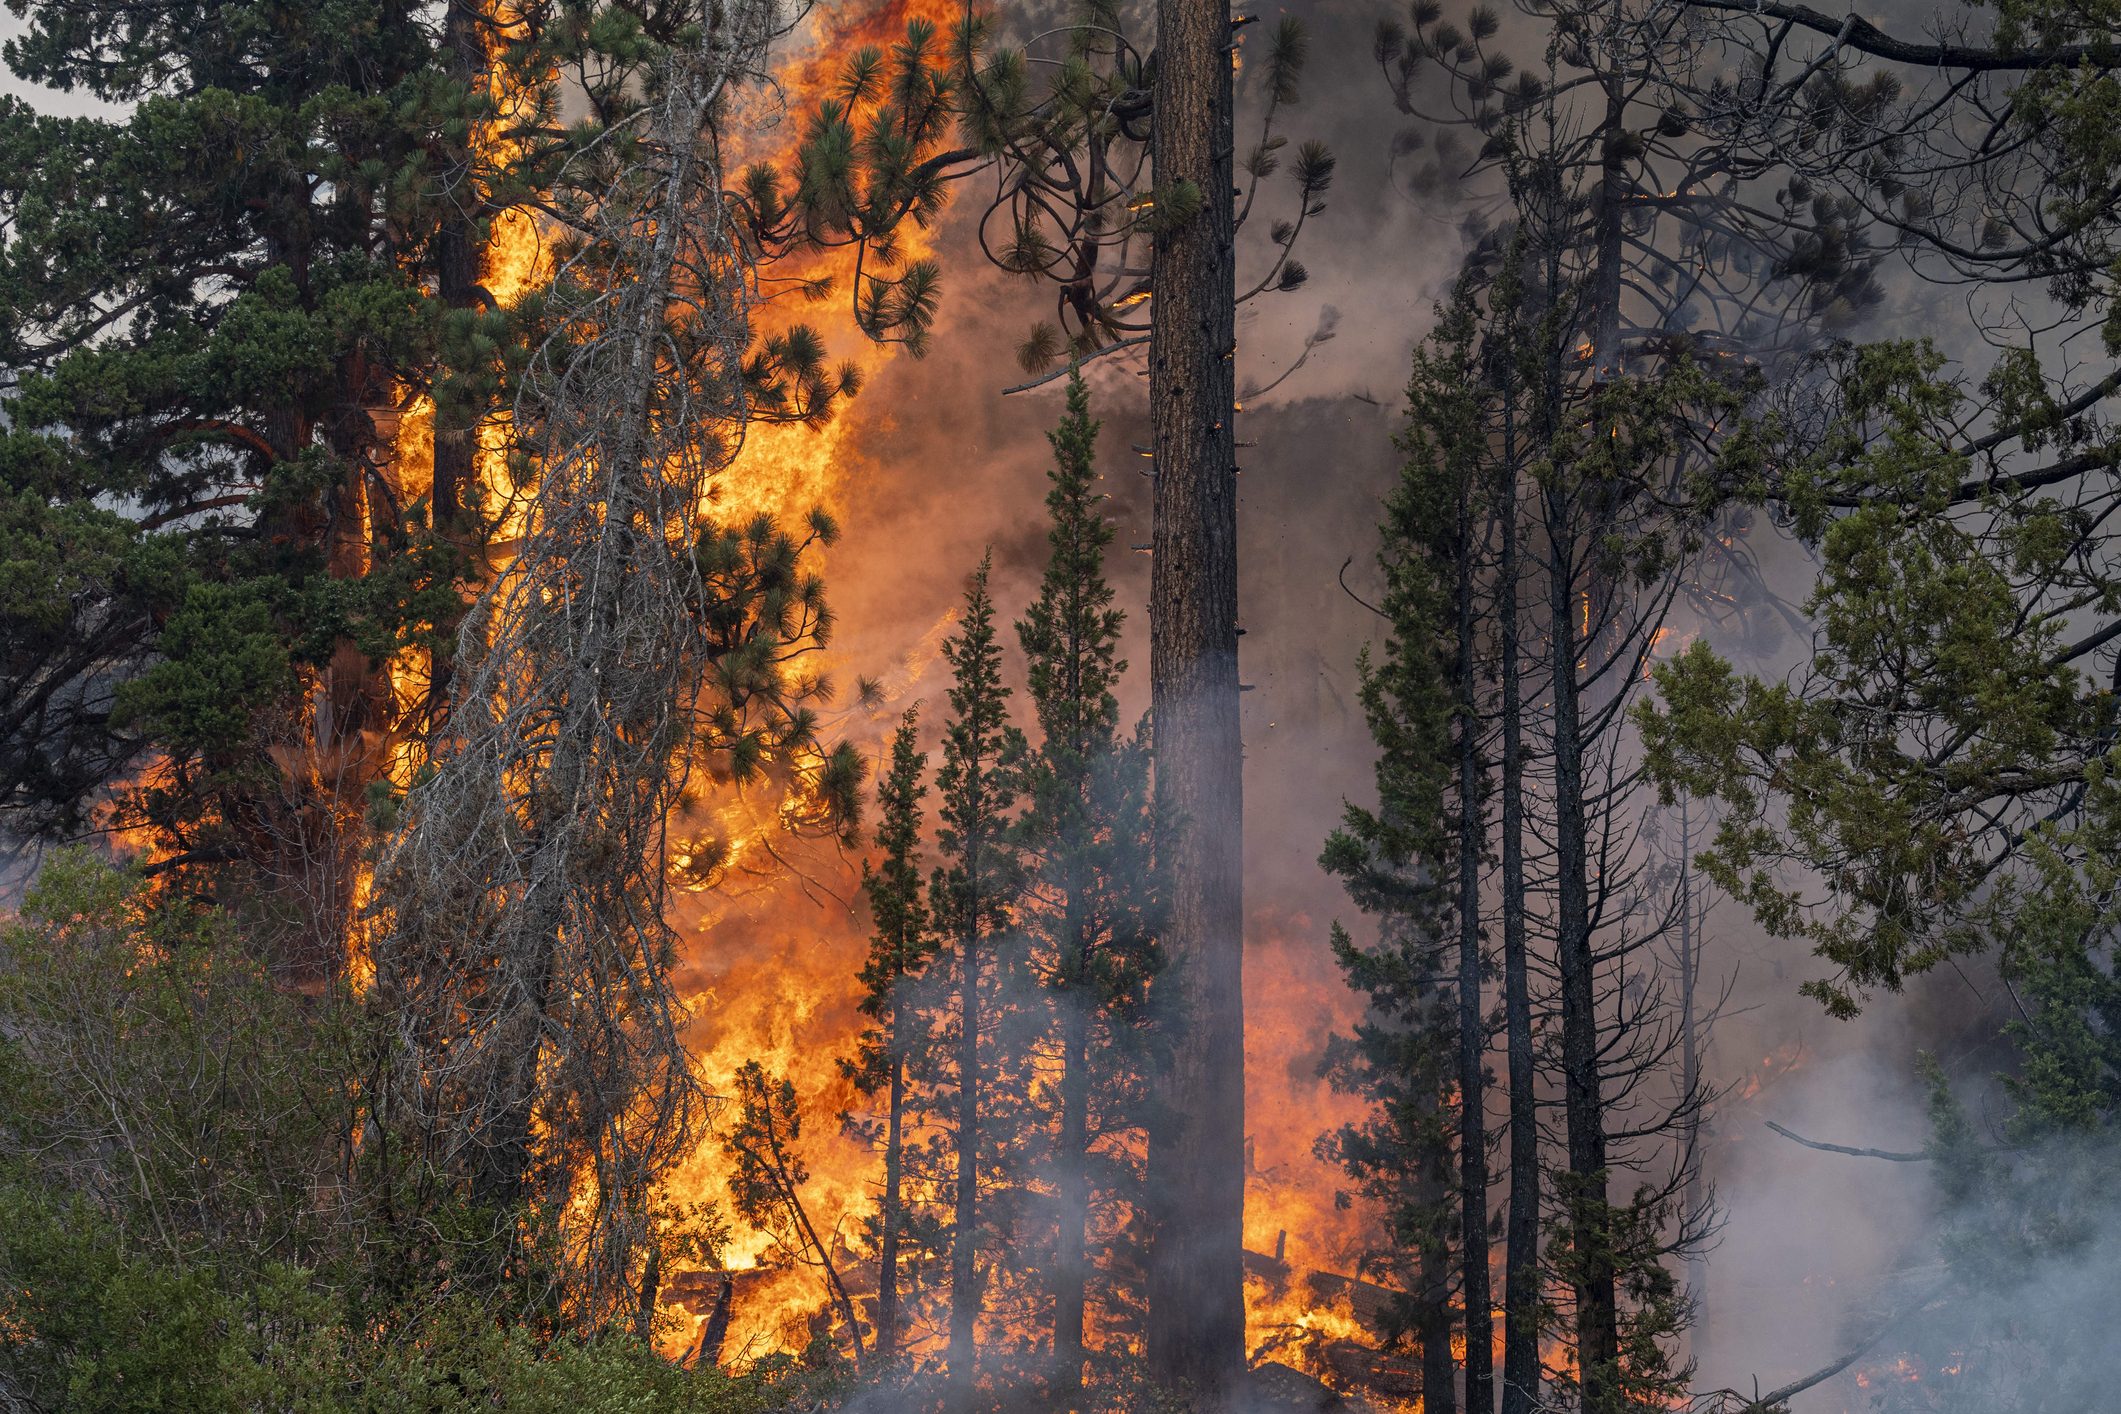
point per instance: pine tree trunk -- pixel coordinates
(1597, 1329)
(1196, 1318)
(894, 1166)
(457, 282)
(964, 1295)
(1439, 1372)
(1070, 1264)
(1521, 1293)
(1472, 1031)
(1597, 1302)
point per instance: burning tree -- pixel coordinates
(526, 957)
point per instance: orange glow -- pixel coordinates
(771, 958)
(770, 955)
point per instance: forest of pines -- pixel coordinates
(926, 707)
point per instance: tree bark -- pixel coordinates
(1597, 1317)
(1196, 1321)
(1439, 1372)
(1598, 1340)
(1597, 1299)
(1472, 1030)
(1521, 1293)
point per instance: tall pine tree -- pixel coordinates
(899, 953)
(1408, 864)
(972, 894)
(1091, 898)
(217, 302)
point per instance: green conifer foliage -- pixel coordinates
(216, 307)
(1090, 908)
(1400, 865)
(900, 950)
(972, 895)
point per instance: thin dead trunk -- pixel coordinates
(787, 1187)
(1692, 1197)
(1521, 1289)
(1472, 1030)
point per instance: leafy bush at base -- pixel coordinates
(189, 1222)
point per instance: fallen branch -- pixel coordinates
(1730, 1401)
(1894, 1155)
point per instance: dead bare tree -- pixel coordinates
(525, 957)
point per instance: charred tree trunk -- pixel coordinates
(714, 1332)
(1197, 1168)
(1472, 1029)
(1070, 1263)
(1439, 1372)
(1597, 1319)
(1571, 541)
(1521, 1293)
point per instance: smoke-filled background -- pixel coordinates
(934, 465)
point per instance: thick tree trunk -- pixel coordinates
(1439, 1372)
(457, 282)
(1472, 1029)
(1196, 1293)
(1521, 1293)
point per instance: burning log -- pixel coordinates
(1274, 1270)
(1337, 1339)
(699, 1291)
(1370, 1302)
(1375, 1372)
(1276, 1387)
